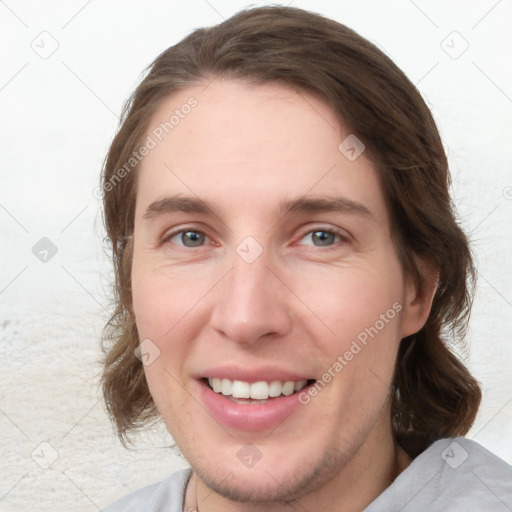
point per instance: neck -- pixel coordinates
(374, 466)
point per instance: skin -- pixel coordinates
(246, 149)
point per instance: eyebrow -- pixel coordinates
(177, 204)
(301, 205)
(326, 204)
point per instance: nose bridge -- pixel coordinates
(250, 305)
(248, 282)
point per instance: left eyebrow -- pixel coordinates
(326, 204)
(177, 203)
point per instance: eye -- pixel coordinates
(189, 238)
(321, 238)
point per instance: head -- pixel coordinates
(289, 218)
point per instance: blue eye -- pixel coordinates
(189, 238)
(321, 238)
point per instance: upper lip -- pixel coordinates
(244, 374)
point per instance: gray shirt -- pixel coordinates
(455, 475)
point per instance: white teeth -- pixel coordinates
(226, 387)
(240, 389)
(288, 388)
(216, 384)
(260, 390)
(299, 385)
(275, 388)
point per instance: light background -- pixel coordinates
(58, 116)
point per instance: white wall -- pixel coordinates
(58, 116)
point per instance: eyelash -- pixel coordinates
(342, 237)
(167, 237)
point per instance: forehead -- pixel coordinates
(252, 144)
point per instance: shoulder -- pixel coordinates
(453, 474)
(165, 495)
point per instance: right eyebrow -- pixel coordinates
(326, 204)
(177, 204)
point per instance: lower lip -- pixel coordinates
(249, 417)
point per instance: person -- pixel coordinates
(288, 271)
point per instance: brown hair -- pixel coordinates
(434, 395)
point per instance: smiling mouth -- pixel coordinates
(256, 392)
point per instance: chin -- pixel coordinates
(278, 479)
(250, 485)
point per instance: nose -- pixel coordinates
(251, 305)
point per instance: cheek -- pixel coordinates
(348, 300)
(162, 307)
(162, 299)
(151, 299)
(169, 311)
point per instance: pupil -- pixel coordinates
(323, 238)
(192, 239)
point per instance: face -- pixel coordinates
(263, 267)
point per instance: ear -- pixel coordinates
(419, 297)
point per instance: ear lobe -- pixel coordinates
(419, 297)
